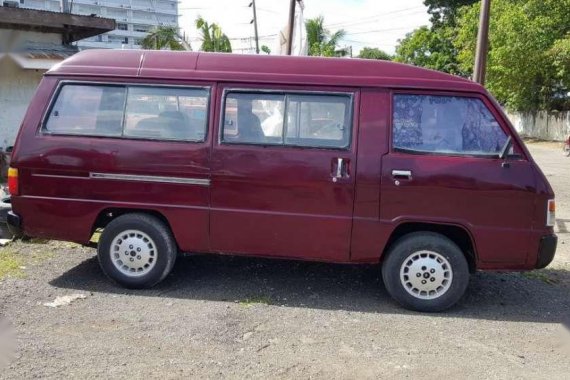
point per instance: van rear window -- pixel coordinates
(87, 110)
(133, 111)
(306, 120)
(446, 125)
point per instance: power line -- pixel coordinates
(377, 31)
(268, 11)
(266, 37)
(359, 23)
(368, 42)
(215, 8)
(375, 17)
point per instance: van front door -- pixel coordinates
(444, 167)
(282, 176)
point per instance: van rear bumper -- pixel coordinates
(14, 223)
(546, 251)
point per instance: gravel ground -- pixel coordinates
(241, 317)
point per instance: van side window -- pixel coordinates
(446, 125)
(132, 111)
(320, 121)
(166, 113)
(254, 118)
(87, 110)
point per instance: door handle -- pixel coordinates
(339, 165)
(339, 168)
(402, 174)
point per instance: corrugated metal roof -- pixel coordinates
(36, 50)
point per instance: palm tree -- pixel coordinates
(321, 41)
(213, 39)
(165, 37)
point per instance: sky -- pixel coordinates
(368, 23)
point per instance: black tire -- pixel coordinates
(409, 246)
(163, 252)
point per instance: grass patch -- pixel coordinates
(36, 241)
(96, 236)
(260, 300)
(541, 276)
(16, 256)
(10, 263)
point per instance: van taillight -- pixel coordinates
(551, 213)
(13, 181)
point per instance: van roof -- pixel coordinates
(174, 65)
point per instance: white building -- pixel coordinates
(31, 42)
(135, 18)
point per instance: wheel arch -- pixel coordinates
(458, 234)
(108, 214)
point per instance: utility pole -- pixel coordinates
(254, 21)
(291, 26)
(482, 43)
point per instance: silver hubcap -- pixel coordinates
(426, 275)
(133, 253)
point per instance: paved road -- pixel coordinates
(237, 317)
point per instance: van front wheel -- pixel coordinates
(136, 250)
(425, 271)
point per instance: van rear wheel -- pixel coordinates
(425, 271)
(136, 250)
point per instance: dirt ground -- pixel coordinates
(241, 317)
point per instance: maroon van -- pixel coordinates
(336, 160)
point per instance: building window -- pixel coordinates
(141, 28)
(121, 26)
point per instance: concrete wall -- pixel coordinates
(11, 40)
(542, 125)
(17, 87)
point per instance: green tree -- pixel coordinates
(322, 42)
(213, 39)
(374, 53)
(527, 66)
(431, 48)
(265, 49)
(164, 37)
(444, 12)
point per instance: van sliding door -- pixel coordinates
(283, 168)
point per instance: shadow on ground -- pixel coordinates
(542, 296)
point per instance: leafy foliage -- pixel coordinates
(444, 12)
(163, 37)
(528, 61)
(213, 39)
(430, 47)
(265, 49)
(528, 66)
(374, 53)
(433, 47)
(322, 42)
